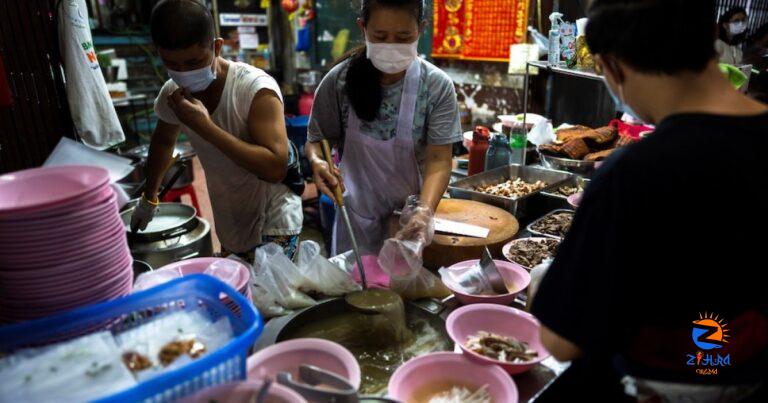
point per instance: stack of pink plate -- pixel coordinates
(62, 242)
(240, 281)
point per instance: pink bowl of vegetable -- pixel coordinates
(515, 277)
(421, 378)
(468, 321)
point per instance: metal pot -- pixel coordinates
(195, 243)
(171, 220)
(140, 154)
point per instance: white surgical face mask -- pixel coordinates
(194, 80)
(737, 28)
(391, 58)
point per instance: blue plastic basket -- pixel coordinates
(200, 291)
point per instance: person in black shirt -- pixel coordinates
(661, 280)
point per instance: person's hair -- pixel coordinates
(722, 33)
(180, 24)
(363, 84)
(654, 36)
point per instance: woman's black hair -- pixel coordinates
(363, 85)
(722, 33)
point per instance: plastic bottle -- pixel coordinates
(498, 154)
(553, 59)
(518, 144)
(477, 150)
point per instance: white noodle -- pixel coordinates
(463, 395)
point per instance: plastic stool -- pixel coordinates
(174, 196)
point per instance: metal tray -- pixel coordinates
(566, 164)
(464, 188)
(575, 181)
(529, 228)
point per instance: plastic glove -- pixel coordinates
(143, 214)
(401, 256)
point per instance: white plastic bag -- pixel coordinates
(423, 285)
(323, 276)
(276, 276)
(542, 133)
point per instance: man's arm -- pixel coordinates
(559, 347)
(268, 157)
(437, 174)
(160, 154)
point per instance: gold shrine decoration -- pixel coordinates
(478, 29)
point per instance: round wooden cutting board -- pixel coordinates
(447, 250)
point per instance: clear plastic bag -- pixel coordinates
(401, 255)
(424, 285)
(278, 277)
(323, 276)
(469, 280)
(82, 369)
(154, 278)
(542, 133)
(226, 270)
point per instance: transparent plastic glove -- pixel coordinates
(542, 133)
(401, 256)
(143, 214)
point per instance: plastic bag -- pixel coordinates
(401, 256)
(154, 278)
(226, 270)
(148, 340)
(542, 133)
(469, 280)
(276, 276)
(424, 285)
(83, 369)
(323, 276)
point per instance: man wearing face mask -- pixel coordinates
(647, 256)
(233, 115)
(732, 31)
(394, 118)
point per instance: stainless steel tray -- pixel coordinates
(566, 164)
(540, 234)
(464, 188)
(575, 181)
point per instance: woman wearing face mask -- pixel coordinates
(732, 28)
(233, 115)
(394, 118)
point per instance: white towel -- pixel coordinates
(91, 107)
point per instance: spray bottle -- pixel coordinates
(554, 39)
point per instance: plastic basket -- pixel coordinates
(200, 291)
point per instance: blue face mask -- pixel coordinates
(620, 105)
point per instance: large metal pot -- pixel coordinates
(196, 243)
(171, 220)
(140, 154)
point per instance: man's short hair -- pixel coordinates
(654, 36)
(180, 24)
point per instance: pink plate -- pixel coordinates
(85, 201)
(52, 235)
(66, 247)
(468, 320)
(108, 255)
(243, 392)
(100, 208)
(67, 284)
(422, 372)
(37, 189)
(505, 250)
(118, 282)
(289, 355)
(512, 273)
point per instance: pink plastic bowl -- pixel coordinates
(467, 321)
(428, 369)
(243, 392)
(511, 272)
(287, 356)
(198, 266)
(575, 199)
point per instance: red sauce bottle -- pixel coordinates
(478, 149)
